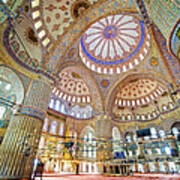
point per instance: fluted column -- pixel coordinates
(23, 134)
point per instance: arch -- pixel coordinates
(158, 127)
(10, 76)
(116, 133)
(77, 73)
(176, 124)
(131, 130)
(89, 143)
(20, 53)
(86, 129)
(53, 127)
(175, 128)
(169, 123)
(116, 138)
(135, 94)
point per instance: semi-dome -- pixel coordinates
(139, 92)
(114, 44)
(72, 88)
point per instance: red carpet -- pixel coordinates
(100, 177)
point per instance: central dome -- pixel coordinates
(114, 44)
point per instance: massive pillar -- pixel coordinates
(104, 132)
(21, 140)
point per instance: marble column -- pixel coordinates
(21, 140)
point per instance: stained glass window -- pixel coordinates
(2, 111)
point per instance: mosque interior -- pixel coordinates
(89, 87)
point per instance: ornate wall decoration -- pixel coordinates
(154, 61)
(22, 45)
(72, 87)
(9, 9)
(79, 87)
(75, 30)
(54, 17)
(78, 7)
(11, 93)
(141, 99)
(164, 14)
(139, 92)
(172, 62)
(31, 36)
(33, 112)
(16, 87)
(105, 83)
(114, 44)
(75, 110)
(174, 41)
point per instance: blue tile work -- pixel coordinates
(30, 111)
(173, 63)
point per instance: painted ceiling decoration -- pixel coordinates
(11, 85)
(114, 44)
(164, 14)
(139, 92)
(72, 88)
(53, 17)
(172, 61)
(22, 44)
(9, 9)
(175, 41)
(63, 44)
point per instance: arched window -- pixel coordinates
(129, 137)
(62, 108)
(175, 131)
(153, 133)
(85, 146)
(53, 127)
(89, 147)
(116, 137)
(45, 126)
(168, 150)
(162, 133)
(2, 111)
(51, 104)
(61, 129)
(8, 87)
(57, 105)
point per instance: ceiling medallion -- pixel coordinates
(154, 61)
(114, 44)
(105, 83)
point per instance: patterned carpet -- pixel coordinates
(100, 177)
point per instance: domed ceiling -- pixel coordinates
(140, 98)
(71, 96)
(114, 44)
(72, 87)
(139, 92)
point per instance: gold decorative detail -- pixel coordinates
(154, 61)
